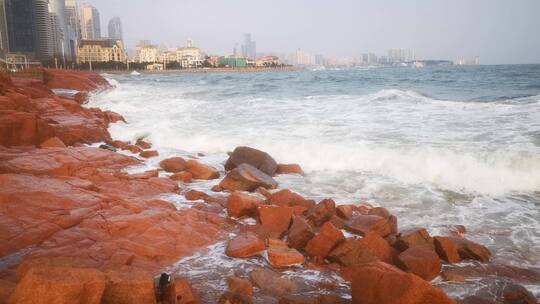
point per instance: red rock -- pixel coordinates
(380, 283)
(6, 288)
(220, 200)
(452, 277)
(244, 245)
(201, 171)
(298, 299)
(326, 240)
(392, 220)
(180, 292)
(133, 149)
(380, 211)
(300, 233)
(262, 191)
(173, 164)
(413, 237)
(271, 282)
(149, 153)
(286, 197)
(73, 80)
(240, 204)
(256, 158)
(355, 252)
(470, 250)
(194, 195)
(513, 293)
(247, 178)
(446, 249)
(275, 218)
(235, 298)
(239, 285)
(128, 285)
(420, 260)
(59, 285)
(280, 255)
(289, 169)
(344, 211)
(143, 144)
(216, 188)
(321, 213)
(113, 117)
(182, 176)
(364, 224)
(53, 142)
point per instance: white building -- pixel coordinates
(149, 53)
(188, 57)
(90, 23)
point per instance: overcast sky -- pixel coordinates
(499, 31)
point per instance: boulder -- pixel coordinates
(470, 250)
(513, 293)
(229, 297)
(244, 245)
(239, 285)
(280, 255)
(240, 204)
(286, 197)
(179, 291)
(182, 176)
(420, 260)
(446, 249)
(53, 142)
(326, 239)
(149, 153)
(380, 283)
(59, 285)
(195, 195)
(413, 237)
(321, 213)
(370, 248)
(128, 285)
(300, 233)
(272, 282)
(173, 164)
(201, 171)
(364, 224)
(275, 218)
(344, 211)
(256, 158)
(143, 144)
(247, 178)
(289, 169)
(380, 211)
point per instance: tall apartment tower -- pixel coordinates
(4, 41)
(90, 25)
(249, 48)
(72, 26)
(61, 45)
(43, 31)
(115, 28)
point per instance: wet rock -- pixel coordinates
(326, 239)
(59, 285)
(113, 117)
(133, 149)
(201, 171)
(239, 285)
(182, 176)
(286, 197)
(247, 178)
(300, 233)
(470, 250)
(289, 169)
(380, 283)
(446, 249)
(149, 153)
(420, 260)
(514, 294)
(364, 224)
(235, 298)
(275, 218)
(380, 211)
(173, 164)
(179, 291)
(392, 220)
(256, 158)
(195, 195)
(53, 142)
(413, 237)
(143, 144)
(321, 213)
(371, 248)
(128, 285)
(280, 255)
(344, 211)
(271, 282)
(299, 299)
(107, 147)
(6, 288)
(476, 300)
(240, 204)
(450, 276)
(244, 245)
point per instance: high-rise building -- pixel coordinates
(249, 48)
(42, 26)
(72, 26)
(4, 45)
(115, 28)
(90, 24)
(59, 30)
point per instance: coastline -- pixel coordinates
(207, 70)
(115, 226)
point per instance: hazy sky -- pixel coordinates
(499, 31)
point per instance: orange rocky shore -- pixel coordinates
(76, 228)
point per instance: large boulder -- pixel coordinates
(247, 178)
(245, 245)
(239, 285)
(280, 255)
(380, 283)
(446, 249)
(413, 237)
(420, 260)
(241, 204)
(275, 218)
(256, 158)
(300, 233)
(173, 164)
(286, 197)
(272, 282)
(364, 224)
(128, 285)
(327, 238)
(201, 171)
(321, 213)
(470, 250)
(370, 248)
(289, 169)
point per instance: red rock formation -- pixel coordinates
(326, 240)
(446, 249)
(300, 233)
(413, 237)
(256, 158)
(275, 218)
(364, 224)
(244, 245)
(173, 164)
(420, 260)
(371, 248)
(240, 204)
(321, 213)
(201, 171)
(247, 178)
(280, 255)
(289, 169)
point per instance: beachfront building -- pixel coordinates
(148, 53)
(184, 57)
(100, 50)
(267, 61)
(232, 62)
(301, 58)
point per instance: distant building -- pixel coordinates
(72, 27)
(401, 55)
(301, 58)
(100, 50)
(90, 23)
(187, 57)
(232, 62)
(249, 48)
(237, 51)
(148, 53)
(59, 29)
(267, 61)
(115, 28)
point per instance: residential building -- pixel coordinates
(401, 55)
(59, 31)
(100, 50)
(267, 61)
(301, 58)
(249, 48)
(72, 26)
(187, 57)
(115, 28)
(90, 23)
(232, 62)
(148, 53)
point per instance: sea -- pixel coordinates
(436, 146)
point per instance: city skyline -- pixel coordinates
(496, 31)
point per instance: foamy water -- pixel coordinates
(437, 147)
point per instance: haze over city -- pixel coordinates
(496, 31)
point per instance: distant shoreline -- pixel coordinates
(205, 70)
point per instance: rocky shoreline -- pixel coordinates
(76, 228)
